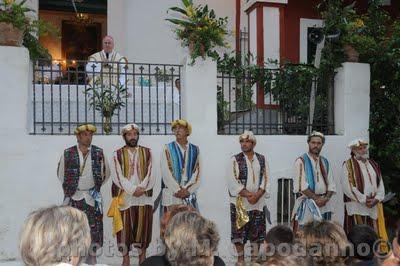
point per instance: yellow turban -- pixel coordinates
(183, 123)
(86, 127)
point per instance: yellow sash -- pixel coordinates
(382, 234)
(118, 201)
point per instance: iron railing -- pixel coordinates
(246, 103)
(149, 95)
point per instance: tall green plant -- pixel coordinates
(384, 62)
(199, 29)
(107, 99)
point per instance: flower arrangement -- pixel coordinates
(13, 17)
(355, 34)
(199, 29)
(107, 99)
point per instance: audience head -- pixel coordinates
(363, 238)
(394, 257)
(325, 242)
(191, 240)
(54, 235)
(279, 234)
(171, 213)
(290, 260)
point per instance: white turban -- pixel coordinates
(129, 127)
(357, 143)
(248, 135)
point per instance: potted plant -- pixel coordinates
(355, 39)
(16, 29)
(199, 29)
(107, 99)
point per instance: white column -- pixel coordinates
(15, 81)
(199, 98)
(352, 87)
(253, 35)
(271, 24)
(116, 13)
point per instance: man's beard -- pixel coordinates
(132, 143)
(247, 149)
(361, 156)
(315, 151)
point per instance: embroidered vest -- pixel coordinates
(144, 159)
(241, 160)
(72, 169)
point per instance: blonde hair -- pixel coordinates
(191, 240)
(52, 235)
(325, 242)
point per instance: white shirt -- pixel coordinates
(357, 204)
(252, 184)
(86, 180)
(94, 67)
(130, 184)
(171, 184)
(300, 184)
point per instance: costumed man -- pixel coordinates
(363, 190)
(248, 189)
(83, 169)
(313, 184)
(180, 168)
(132, 191)
(107, 66)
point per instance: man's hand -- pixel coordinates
(321, 201)
(138, 192)
(371, 202)
(245, 193)
(182, 193)
(252, 199)
(255, 197)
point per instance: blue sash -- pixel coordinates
(178, 160)
(308, 168)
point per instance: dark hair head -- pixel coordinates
(363, 235)
(315, 136)
(279, 234)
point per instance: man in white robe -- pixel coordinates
(313, 184)
(107, 66)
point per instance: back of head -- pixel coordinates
(279, 234)
(52, 235)
(171, 213)
(363, 238)
(191, 239)
(325, 242)
(290, 260)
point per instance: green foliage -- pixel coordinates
(377, 38)
(292, 88)
(106, 99)
(199, 29)
(384, 61)
(15, 14)
(162, 75)
(290, 85)
(222, 108)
